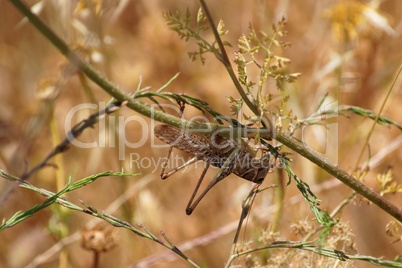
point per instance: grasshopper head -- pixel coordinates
(257, 169)
(256, 175)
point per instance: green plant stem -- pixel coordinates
(366, 143)
(279, 193)
(149, 111)
(71, 186)
(92, 74)
(223, 57)
(331, 253)
(294, 144)
(340, 174)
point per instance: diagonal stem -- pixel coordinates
(341, 175)
(148, 111)
(223, 57)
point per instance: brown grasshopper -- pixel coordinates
(227, 154)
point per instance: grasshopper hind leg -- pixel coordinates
(190, 206)
(165, 175)
(224, 171)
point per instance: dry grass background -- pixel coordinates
(142, 44)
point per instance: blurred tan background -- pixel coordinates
(352, 53)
